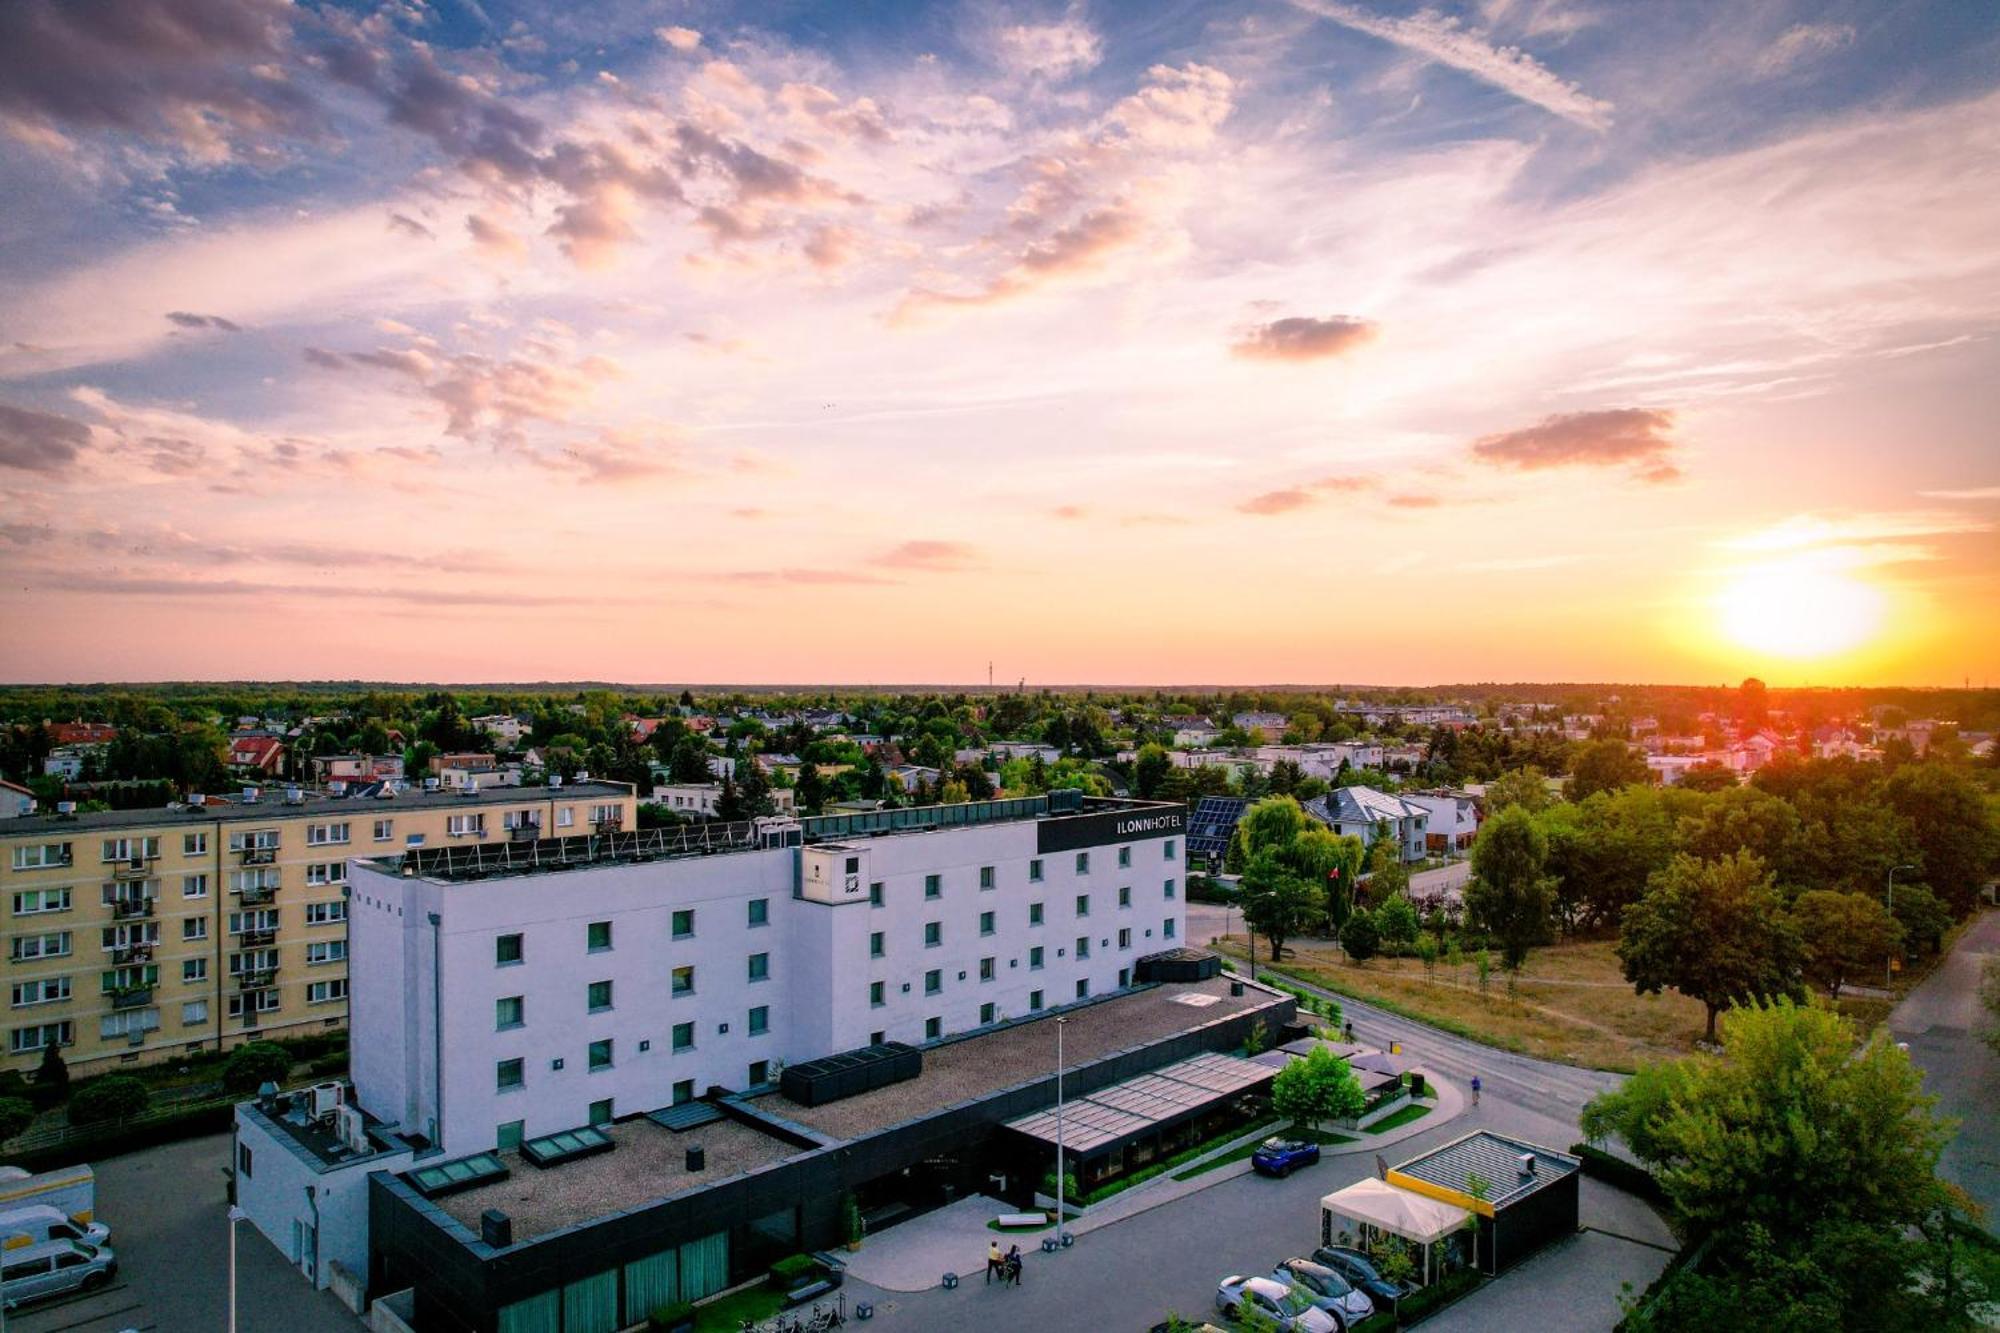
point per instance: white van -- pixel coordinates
(34, 1226)
(54, 1269)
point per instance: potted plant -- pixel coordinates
(851, 1222)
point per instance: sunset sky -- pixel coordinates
(1277, 341)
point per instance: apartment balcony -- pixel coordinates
(608, 825)
(137, 868)
(126, 909)
(249, 981)
(258, 893)
(260, 856)
(132, 953)
(132, 997)
(256, 939)
(525, 832)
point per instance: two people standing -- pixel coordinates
(1006, 1267)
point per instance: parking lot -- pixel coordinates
(168, 1215)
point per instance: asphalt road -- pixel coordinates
(1941, 1020)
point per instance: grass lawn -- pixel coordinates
(726, 1315)
(1414, 1111)
(1238, 1154)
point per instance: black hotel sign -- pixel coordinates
(1063, 834)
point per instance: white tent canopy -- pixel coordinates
(1398, 1211)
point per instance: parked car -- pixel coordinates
(54, 1269)
(1280, 1157)
(1327, 1289)
(1289, 1309)
(32, 1226)
(1360, 1270)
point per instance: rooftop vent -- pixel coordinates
(1526, 1161)
(295, 796)
(496, 1228)
(430, 784)
(583, 775)
(197, 798)
(65, 809)
(555, 779)
(338, 788)
(249, 796)
(697, 1158)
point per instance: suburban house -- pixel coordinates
(15, 800)
(1454, 819)
(263, 754)
(1362, 811)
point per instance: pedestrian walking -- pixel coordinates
(1014, 1265)
(1475, 1097)
(995, 1263)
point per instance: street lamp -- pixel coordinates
(1889, 960)
(235, 1216)
(1061, 1217)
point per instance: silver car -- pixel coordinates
(1327, 1289)
(56, 1268)
(1287, 1308)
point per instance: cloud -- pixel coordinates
(680, 39)
(1303, 338)
(153, 586)
(409, 226)
(1069, 512)
(1443, 39)
(39, 441)
(1052, 51)
(1973, 493)
(1299, 497)
(189, 320)
(494, 238)
(808, 577)
(1803, 43)
(1806, 531)
(1415, 501)
(493, 397)
(935, 556)
(1631, 436)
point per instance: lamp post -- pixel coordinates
(1889, 904)
(1060, 1214)
(235, 1216)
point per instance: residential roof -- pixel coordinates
(273, 805)
(1496, 1159)
(1361, 805)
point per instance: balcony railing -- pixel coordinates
(258, 980)
(132, 953)
(525, 832)
(257, 893)
(136, 868)
(256, 939)
(132, 997)
(126, 908)
(613, 825)
(259, 856)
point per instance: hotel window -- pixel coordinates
(875, 995)
(1034, 1001)
(597, 996)
(1083, 989)
(683, 1041)
(1167, 928)
(1124, 857)
(1083, 946)
(194, 970)
(325, 914)
(877, 1037)
(41, 856)
(684, 1088)
(1035, 871)
(507, 950)
(875, 894)
(1169, 889)
(194, 886)
(933, 981)
(760, 911)
(597, 936)
(318, 835)
(986, 1013)
(760, 967)
(684, 923)
(385, 830)
(509, 1011)
(509, 1075)
(933, 934)
(194, 1013)
(32, 901)
(45, 990)
(760, 1020)
(326, 992)
(1125, 937)
(986, 923)
(875, 949)
(1035, 959)
(933, 886)
(600, 1054)
(194, 928)
(986, 877)
(326, 951)
(1169, 850)
(1083, 863)
(600, 1112)
(1034, 914)
(684, 980)
(194, 844)
(933, 1028)
(508, 1136)
(1083, 904)
(986, 969)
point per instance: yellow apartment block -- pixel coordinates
(137, 935)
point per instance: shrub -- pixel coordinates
(670, 1316)
(51, 1079)
(789, 1271)
(1359, 937)
(251, 1066)
(113, 1097)
(16, 1114)
(1617, 1172)
(1070, 1192)
(328, 1064)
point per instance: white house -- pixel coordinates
(1453, 819)
(1362, 811)
(503, 727)
(65, 763)
(15, 800)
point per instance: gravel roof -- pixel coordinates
(649, 1163)
(977, 1066)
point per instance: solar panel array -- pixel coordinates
(1126, 1110)
(1211, 825)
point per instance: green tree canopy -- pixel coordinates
(1360, 937)
(1713, 930)
(1604, 765)
(1526, 787)
(1396, 920)
(1278, 903)
(1954, 828)
(1317, 1088)
(1843, 936)
(1510, 894)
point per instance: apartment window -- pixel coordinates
(933, 934)
(760, 911)
(194, 970)
(683, 1041)
(986, 877)
(1125, 896)
(320, 835)
(875, 995)
(1124, 857)
(41, 855)
(325, 914)
(1083, 946)
(250, 962)
(684, 980)
(1034, 1001)
(1035, 871)
(326, 951)
(933, 886)
(1169, 889)
(254, 1003)
(1083, 863)
(194, 886)
(508, 1137)
(37, 1035)
(262, 918)
(875, 949)
(1169, 854)
(597, 936)
(986, 923)
(255, 840)
(194, 928)
(131, 849)
(933, 1028)
(875, 894)
(684, 1088)
(194, 1013)
(1167, 928)
(760, 1073)
(1034, 914)
(385, 830)
(1035, 959)
(31, 901)
(244, 1159)
(760, 1020)
(566, 817)
(760, 967)
(509, 1075)
(326, 992)
(606, 814)
(43, 990)
(507, 950)
(332, 872)
(986, 969)
(1125, 937)
(597, 996)
(600, 1054)
(509, 1011)
(684, 923)
(986, 1013)
(465, 826)
(600, 1112)
(1083, 904)
(194, 844)
(1083, 988)
(54, 944)
(933, 981)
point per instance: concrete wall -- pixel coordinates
(284, 1190)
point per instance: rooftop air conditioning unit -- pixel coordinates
(555, 779)
(1526, 1162)
(196, 798)
(351, 1127)
(326, 1099)
(66, 809)
(249, 796)
(294, 796)
(583, 775)
(430, 784)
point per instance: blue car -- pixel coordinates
(1280, 1157)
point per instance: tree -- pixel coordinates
(1713, 930)
(1843, 935)
(1388, 876)
(252, 1065)
(1708, 776)
(1277, 903)
(16, 1114)
(1957, 841)
(113, 1097)
(1989, 999)
(1318, 1088)
(1149, 770)
(1604, 765)
(1923, 917)
(811, 794)
(1360, 937)
(1332, 861)
(1510, 894)
(1525, 787)
(1274, 823)
(1396, 921)
(51, 1085)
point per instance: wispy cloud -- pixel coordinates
(1801, 44)
(39, 441)
(935, 556)
(1973, 493)
(1304, 338)
(1638, 437)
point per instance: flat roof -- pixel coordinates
(271, 805)
(287, 1120)
(1137, 1105)
(1495, 1158)
(983, 1063)
(649, 1163)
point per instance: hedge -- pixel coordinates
(1618, 1173)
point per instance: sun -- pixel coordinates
(1798, 609)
